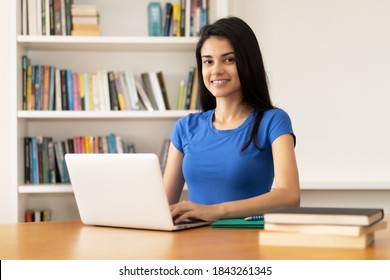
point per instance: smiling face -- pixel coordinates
(219, 68)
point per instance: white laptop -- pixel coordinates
(121, 190)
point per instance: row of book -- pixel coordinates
(46, 87)
(58, 17)
(321, 227)
(182, 18)
(44, 161)
(38, 215)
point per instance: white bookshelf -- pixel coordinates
(169, 114)
(107, 43)
(118, 49)
(47, 188)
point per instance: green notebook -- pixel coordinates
(238, 223)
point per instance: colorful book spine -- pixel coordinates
(154, 18)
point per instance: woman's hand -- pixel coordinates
(189, 210)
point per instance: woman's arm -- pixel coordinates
(285, 193)
(173, 175)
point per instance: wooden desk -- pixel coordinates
(73, 240)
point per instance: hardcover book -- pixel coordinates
(345, 230)
(154, 18)
(143, 96)
(323, 215)
(168, 18)
(314, 240)
(149, 90)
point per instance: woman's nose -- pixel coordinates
(217, 68)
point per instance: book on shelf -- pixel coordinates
(57, 91)
(38, 215)
(63, 17)
(147, 83)
(181, 99)
(325, 215)
(45, 17)
(188, 91)
(168, 12)
(76, 91)
(164, 154)
(27, 160)
(32, 17)
(69, 89)
(131, 90)
(88, 20)
(44, 158)
(175, 22)
(24, 17)
(146, 103)
(183, 21)
(113, 91)
(190, 82)
(163, 88)
(194, 99)
(86, 30)
(29, 89)
(48, 88)
(55, 17)
(192, 16)
(87, 10)
(157, 90)
(25, 65)
(64, 94)
(123, 101)
(154, 19)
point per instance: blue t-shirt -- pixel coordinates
(214, 167)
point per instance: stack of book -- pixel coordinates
(321, 227)
(85, 20)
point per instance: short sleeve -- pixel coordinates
(280, 124)
(177, 135)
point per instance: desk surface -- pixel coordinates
(73, 240)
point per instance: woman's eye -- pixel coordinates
(207, 61)
(230, 59)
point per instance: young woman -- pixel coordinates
(239, 145)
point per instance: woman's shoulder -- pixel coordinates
(195, 117)
(276, 114)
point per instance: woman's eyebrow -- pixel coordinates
(222, 55)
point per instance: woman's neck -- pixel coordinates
(230, 116)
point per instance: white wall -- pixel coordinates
(7, 213)
(328, 65)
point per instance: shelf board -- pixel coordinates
(49, 188)
(107, 43)
(169, 114)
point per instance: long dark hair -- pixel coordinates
(250, 69)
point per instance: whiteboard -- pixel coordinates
(328, 65)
